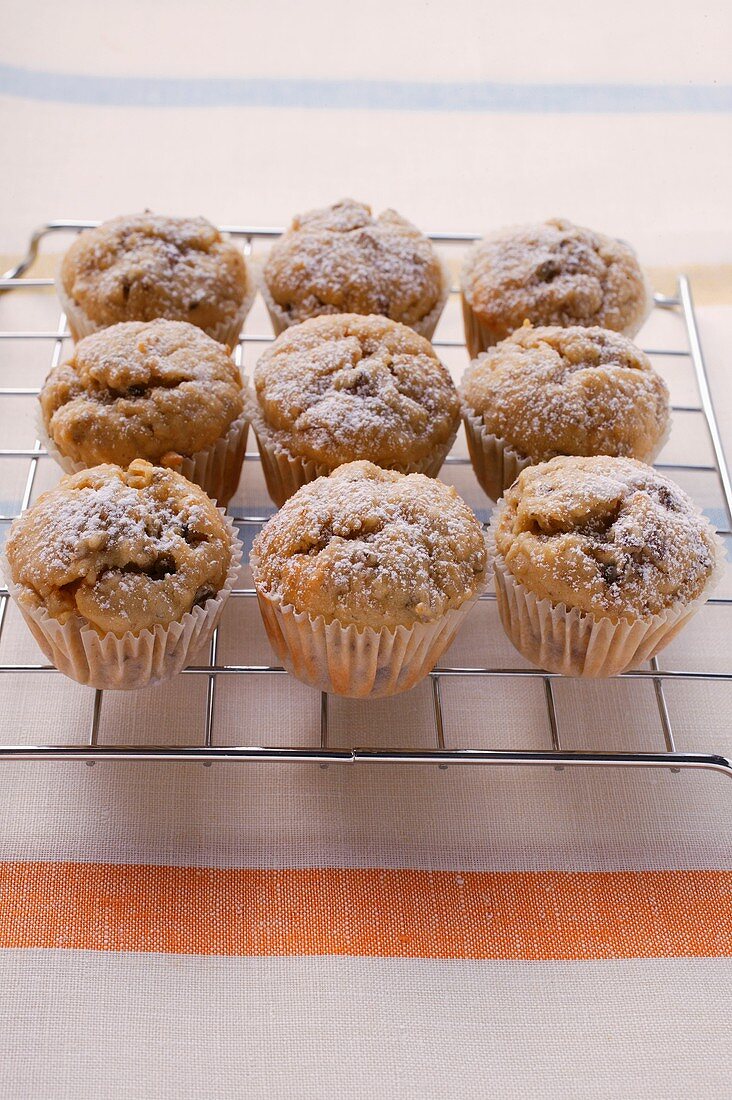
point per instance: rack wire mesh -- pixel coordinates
(706, 476)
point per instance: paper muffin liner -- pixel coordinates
(480, 336)
(79, 324)
(424, 327)
(358, 663)
(285, 473)
(226, 332)
(133, 660)
(497, 465)
(575, 643)
(217, 469)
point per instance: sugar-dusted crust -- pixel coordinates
(371, 547)
(336, 389)
(553, 273)
(568, 391)
(125, 550)
(153, 390)
(609, 536)
(342, 259)
(142, 266)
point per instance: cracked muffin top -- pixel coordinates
(126, 550)
(554, 273)
(610, 536)
(371, 547)
(568, 391)
(335, 389)
(155, 390)
(142, 266)
(342, 259)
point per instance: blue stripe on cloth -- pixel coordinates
(370, 95)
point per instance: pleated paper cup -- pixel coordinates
(133, 660)
(79, 324)
(285, 473)
(497, 465)
(575, 643)
(480, 335)
(358, 663)
(217, 469)
(425, 327)
(226, 332)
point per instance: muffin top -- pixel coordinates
(610, 536)
(571, 391)
(125, 550)
(334, 389)
(341, 259)
(554, 273)
(142, 266)
(154, 390)
(371, 547)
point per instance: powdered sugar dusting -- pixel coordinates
(339, 388)
(554, 273)
(142, 266)
(607, 535)
(584, 391)
(372, 547)
(341, 259)
(141, 389)
(125, 549)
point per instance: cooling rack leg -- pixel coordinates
(551, 710)
(211, 695)
(439, 718)
(668, 735)
(323, 725)
(3, 610)
(94, 729)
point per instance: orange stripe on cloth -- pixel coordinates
(342, 911)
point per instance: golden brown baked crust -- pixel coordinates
(371, 547)
(336, 389)
(341, 259)
(554, 273)
(153, 390)
(142, 266)
(572, 391)
(124, 549)
(610, 536)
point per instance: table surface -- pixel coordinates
(181, 931)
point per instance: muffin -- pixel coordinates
(341, 259)
(338, 389)
(121, 575)
(552, 391)
(364, 577)
(555, 273)
(143, 266)
(159, 390)
(599, 561)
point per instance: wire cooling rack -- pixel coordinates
(714, 474)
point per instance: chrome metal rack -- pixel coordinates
(205, 749)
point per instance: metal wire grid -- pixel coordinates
(206, 751)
